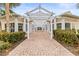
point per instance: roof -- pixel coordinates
(11, 15)
(39, 8)
(69, 14)
(39, 13)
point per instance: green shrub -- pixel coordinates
(3, 31)
(16, 36)
(77, 35)
(4, 45)
(4, 36)
(67, 36)
(12, 36)
(78, 31)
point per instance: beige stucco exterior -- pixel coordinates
(73, 20)
(16, 19)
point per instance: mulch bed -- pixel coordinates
(73, 50)
(6, 52)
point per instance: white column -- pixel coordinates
(63, 24)
(3, 25)
(71, 26)
(48, 27)
(51, 30)
(24, 25)
(16, 25)
(35, 28)
(31, 27)
(76, 29)
(28, 28)
(55, 26)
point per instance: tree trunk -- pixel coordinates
(7, 8)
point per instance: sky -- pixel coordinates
(57, 8)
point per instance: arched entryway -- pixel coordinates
(39, 19)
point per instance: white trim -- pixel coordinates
(3, 25)
(16, 25)
(63, 24)
(71, 25)
(28, 28)
(24, 25)
(51, 30)
(55, 24)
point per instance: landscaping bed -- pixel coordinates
(9, 41)
(69, 39)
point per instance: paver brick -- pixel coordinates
(40, 44)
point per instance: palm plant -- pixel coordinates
(2, 12)
(8, 6)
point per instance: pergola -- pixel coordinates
(42, 16)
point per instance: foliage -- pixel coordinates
(67, 36)
(2, 12)
(4, 45)
(11, 4)
(11, 37)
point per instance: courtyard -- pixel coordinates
(41, 31)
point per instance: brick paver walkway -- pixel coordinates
(40, 44)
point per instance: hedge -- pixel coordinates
(78, 34)
(4, 45)
(12, 36)
(67, 36)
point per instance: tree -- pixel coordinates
(8, 6)
(2, 12)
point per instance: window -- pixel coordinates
(73, 26)
(12, 27)
(58, 25)
(20, 27)
(67, 25)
